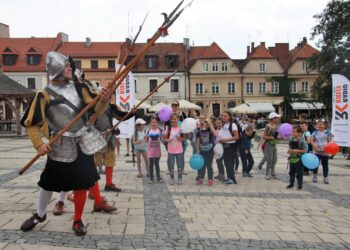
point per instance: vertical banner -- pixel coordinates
(125, 98)
(341, 110)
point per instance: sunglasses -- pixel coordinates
(320, 120)
(174, 105)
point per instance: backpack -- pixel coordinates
(328, 133)
(240, 132)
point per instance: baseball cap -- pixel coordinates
(140, 121)
(273, 115)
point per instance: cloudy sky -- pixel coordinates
(233, 24)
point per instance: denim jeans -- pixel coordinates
(179, 162)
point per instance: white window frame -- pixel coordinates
(224, 66)
(178, 85)
(262, 67)
(215, 67)
(275, 87)
(231, 88)
(262, 87)
(305, 66)
(205, 67)
(293, 87)
(215, 88)
(249, 88)
(305, 87)
(199, 88)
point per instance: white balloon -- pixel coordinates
(218, 151)
(188, 125)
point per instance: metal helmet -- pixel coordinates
(55, 64)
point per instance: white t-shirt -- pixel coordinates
(225, 132)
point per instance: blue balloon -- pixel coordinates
(310, 161)
(196, 161)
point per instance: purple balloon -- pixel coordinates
(164, 114)
(285, 130)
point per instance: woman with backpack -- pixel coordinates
(319, 138)
(174, 139)
(229, 136)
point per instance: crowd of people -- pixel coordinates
(73, 162)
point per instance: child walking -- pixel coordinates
(205, 145)
(245, 152)
(319, 138)
(153, 138)
(297, 147)
(174, 139)
(140, 145)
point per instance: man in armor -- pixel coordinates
(70, 163)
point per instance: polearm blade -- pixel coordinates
(139, 31)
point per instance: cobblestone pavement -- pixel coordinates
(256, 213)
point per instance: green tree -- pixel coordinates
(333, 37)
(288, 97)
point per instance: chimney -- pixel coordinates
(88, 42)
(187, 43)
(252, 45)
(248, 50)
(262, 44)
(4, 31)
(304, 40)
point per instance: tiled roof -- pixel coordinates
(281, 52)
(161, 50)
(214, 52)
(302, 51)
(10, 88)
(260, 52)
(96, 49)
(22, 46)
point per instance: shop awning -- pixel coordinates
(308, 106)
(262, 107)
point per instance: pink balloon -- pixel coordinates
(285, 130)
(164, 114)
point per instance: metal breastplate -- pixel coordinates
(59, 115)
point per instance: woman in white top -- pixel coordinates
(229, 136)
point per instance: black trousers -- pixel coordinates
(247, 161)
(296, 170)
(236, 160)
(154, 162)
(208, 164)
(324, 161)
(230, 150)
(220, 165)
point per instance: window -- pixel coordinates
(224, 66)
(262, 67)
(304, 87)
(305, 66)
(151, 62)
(205, 67)
(215, 67)
(275, 87)
(262, 87)
(94, 64)
(215, 88)
(111, 64)
(171, 61)
(33, 59)
(152, 84)
(9, 60)
(199, 88)
(174, 85)
(231, 88)
(77, 64)
(31, 83)
(231, 104)
(250, 88)
(293, 87)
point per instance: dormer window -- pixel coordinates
(9, 57)
(33, 59)
(151, 62)
(215, 67)
(224, 66)
(305, 66)
(172, 61)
